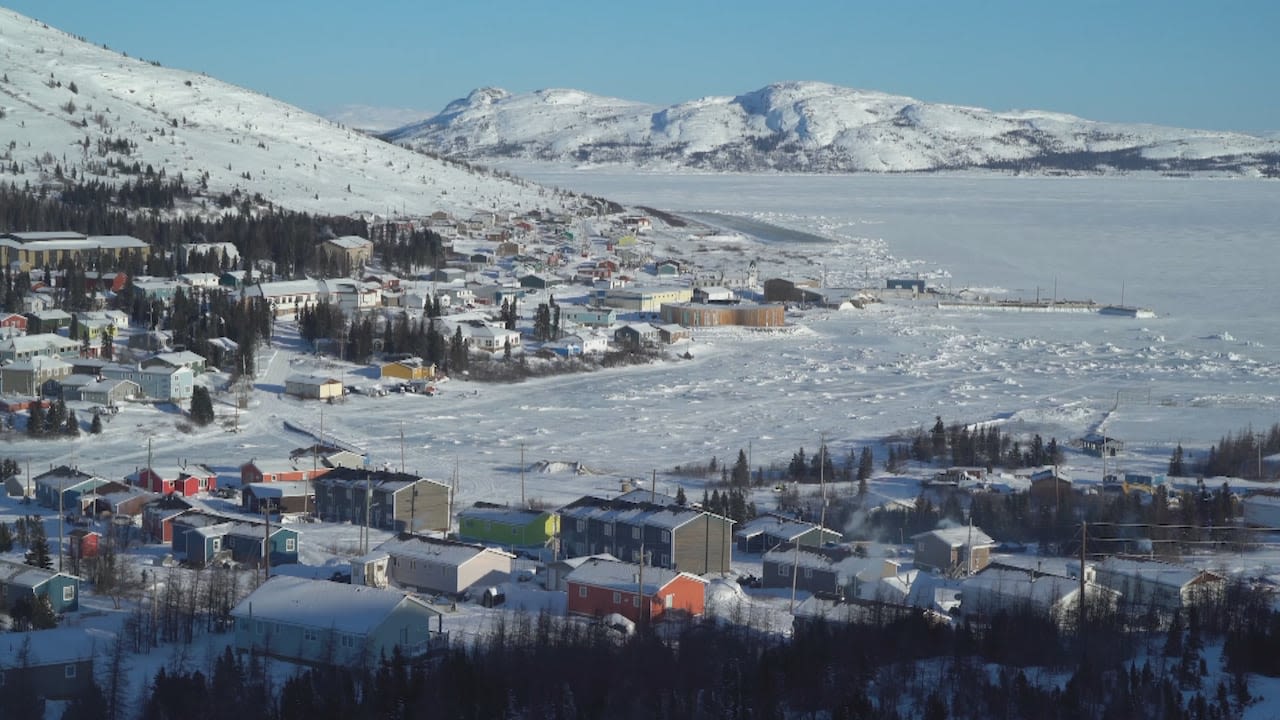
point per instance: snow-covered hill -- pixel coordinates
(809, 126)
(68, 106)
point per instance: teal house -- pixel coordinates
(24, 583)
(203, 538)
(72, 484)
(508, 527)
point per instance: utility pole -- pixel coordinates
(523, 504)
(822, 483)
(402, 446)
(653, 487)
(266, 543)
(368, 508)
(795, 570)
(1084, 533)
(60, 517)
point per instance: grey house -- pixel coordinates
(672, 536)
(443, 566)
(57, 663)
(317, 622)
(389, 500)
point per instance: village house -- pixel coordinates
(108, 393)
(13, 322)
(589, 316)
(202, 538)
(636, 335)
(158, 516)
(433, 565)
(507, 526)
(673, 536)
(63, 487)
(347, 253)
(114, 499)
(641, 594)
(225, 252)
(408, 369)
(316, 622)
(834, 571)
(180, 359)
(285, 498)
(491, 339)
(157, 383)
(1008, 590)
(960, 549)
(765, 532)
(55, 664)
(195, 282)
(47, 321)
(33, 376)
(185, 480)
(22, 583)
(313, 387)
(271, 471)
(1163, 585)
(353, 297)
(82, 543)
(387, 500)
(645, 299)
(25, 347)
(287, 297)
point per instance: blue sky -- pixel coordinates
(1208, 64)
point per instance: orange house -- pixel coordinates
(601, 587)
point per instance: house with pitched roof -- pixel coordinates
(959, 549)
(641, 594)
(65, 487)
(676, 537)
(20, 582)
(434, 565)
(388, 500)
(56, 664)
(765, 532)
(316, 622)
(507, 526)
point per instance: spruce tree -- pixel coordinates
(35, 420)
(6, 538)
(201, 406)
(72, 426)
(38, 550)
(95, 427)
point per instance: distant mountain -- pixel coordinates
(369, 118)
(817, 127)
(71, 109)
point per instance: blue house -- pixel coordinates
(202, 538)
(19, 583)
(71, 483)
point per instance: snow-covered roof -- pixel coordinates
(778, 526)
(502, 514)
(349, 242)
(960, 537)
(14, 573)
(1012, 586)
(840, 561)
(624, 576)
(49, 647)
(294, 488)
(354, 609)
(634, 513)
(435, 550)
(1152, 571)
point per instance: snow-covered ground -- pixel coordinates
(1194, 251)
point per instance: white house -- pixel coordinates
(491, 339)
(317, 622)
(443, 566)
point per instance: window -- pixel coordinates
(290, 545)
(664, 559)
(635, 601)
(69, 671)
(310, 635)
(808, 573)
(262, 628)
(666, 536)
(635, 533)
(784, 570)
(669, 601)
(217, 544)
(608, 530)
(617, 598)
(635, 556)
(348, 641)
(581, 525)
(69, 593)
(582, 591)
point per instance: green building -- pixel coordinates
(507, 526)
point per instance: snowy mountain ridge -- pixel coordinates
(71, 109)
(817, 127)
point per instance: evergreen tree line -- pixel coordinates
(1240, 454)
(544, 667)
(288, 239)
(57, 421)
(408, 252)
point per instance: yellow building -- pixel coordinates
(48, 249)
(409, 369)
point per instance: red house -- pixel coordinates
(600, 587)
(268, 471)
(84, 543)
(158, 516)
(13, 320)
(185, 481)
